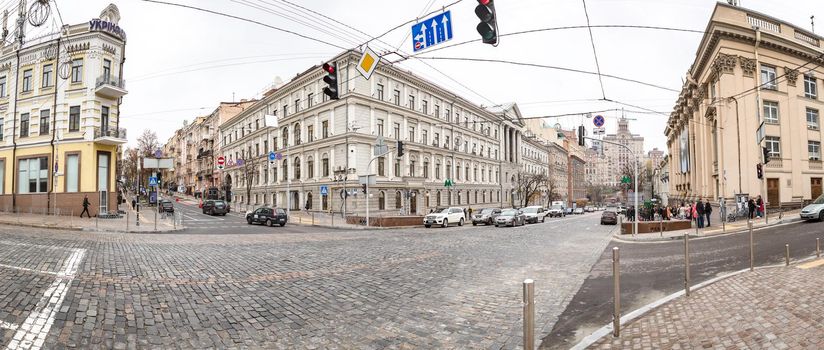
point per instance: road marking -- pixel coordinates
(811, 264)
(6, 325)
(28, 269)
(32, 333)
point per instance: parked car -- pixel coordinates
(267, 216)
(215, 207)
(609, 217)
(445, 217)
(510, 217)
(166, 206)
(485, 216)
(569, 211)
(557, 210)
(589, 209)
(578, 211)
(622, 209)
(534, 214)
(814, 210)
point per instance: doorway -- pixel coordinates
(413, 204)
(815, 187)
(773, 193)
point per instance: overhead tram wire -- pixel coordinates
(298, 12)
(594, 52)
(245, 20)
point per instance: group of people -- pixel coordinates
(755, 207)
(698, 211)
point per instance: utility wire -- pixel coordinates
(594, 52)
(307, 24)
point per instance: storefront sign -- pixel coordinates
(105, 26)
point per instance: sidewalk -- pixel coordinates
(717, 228)
(127, 223)
(775, 308)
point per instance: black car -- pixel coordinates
(215, 207)
(165, 205)
(267, 216)
(609, 217)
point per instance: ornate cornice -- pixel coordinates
(723, 64)
(747, 65)
(791, 74)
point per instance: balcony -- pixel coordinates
(109, 86)
(111, 137)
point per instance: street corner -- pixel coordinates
(34, 282)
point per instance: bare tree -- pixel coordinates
(529, 186)
(251, 174)
(644, 176)
(129, 166)
(147, 143)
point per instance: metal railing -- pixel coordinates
(118, 133)
(110, 80)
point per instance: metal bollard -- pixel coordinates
(616, 292)
(752, 247)
(687, 264)
(661, 225)
(787, 254)
(96, 224)
(127, 221)
(529, 314)
(818, 247)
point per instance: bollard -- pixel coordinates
(96, 224)
(687, 264)
(616, 292)
(818, 247)
(529, 314)
(787, 254)
(127, 221)
(752, 247)
(661, 225)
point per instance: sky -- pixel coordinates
(181, 63)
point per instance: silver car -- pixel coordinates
(814, 210)
(510, 217)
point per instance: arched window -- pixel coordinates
(476, 196)
(459, 198)
(438, 199)
(296, 133)
(308, 204)
(310, 168)
(437, 170)
(382, 200)
(398, 201)
(426, 168)
(285, 136)
(297, 168)
(325, 164)
(285, 170)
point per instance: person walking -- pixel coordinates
(760, 206)
(470, 213)
(134, 203)
(751, 207)
(699, 210)
(708, 212)
(86, 206)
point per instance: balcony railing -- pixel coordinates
(109, 86)
(110, 132)
(110, 80)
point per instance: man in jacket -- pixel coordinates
(86, 207)
(699, 209)
(708, 211)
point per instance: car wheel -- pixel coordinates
(821, 215)
(445, 223)
(427, 226)
(474, 223)
(249, 220)
(282, 224)
(543, 220)
(460, 223)
(268, 222)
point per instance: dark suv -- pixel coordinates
(215, 207)
(267, 216)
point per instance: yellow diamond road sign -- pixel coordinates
(368, 62)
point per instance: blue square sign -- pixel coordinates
(432, 31)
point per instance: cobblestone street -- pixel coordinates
(416, 288)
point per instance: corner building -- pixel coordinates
(329, 143)
(60, 102)
(711, 134)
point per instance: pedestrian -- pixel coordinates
(699, 209)
(669, 213)
(86, 206)
(751, 207)
(470, 212)
(708, 211)
(134, 203)
(760, 206)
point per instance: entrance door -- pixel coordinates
(413, 205)
(295, 201)
(815, 187)
(773, 192)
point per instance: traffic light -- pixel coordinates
(364, 188)
(766, 153)
(488, 28)
(400, 149)
(581, 131)
(331, 79)
(759, 170)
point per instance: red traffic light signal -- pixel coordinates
(329, 68)
(488, 28)
(759, 170)
(331, 80)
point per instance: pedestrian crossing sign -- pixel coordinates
(152, 181)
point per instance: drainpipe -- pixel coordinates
(54, 130)
(14, 132)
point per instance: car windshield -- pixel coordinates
(487, 211)
(819, 200)
(508, 212)
(530, 210)
(445, 211)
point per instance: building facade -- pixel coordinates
(60, 102)
(325, 145)
(750, 68)
(619, 157)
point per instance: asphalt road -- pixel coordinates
(650, 271)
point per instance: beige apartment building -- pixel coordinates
(712, 130)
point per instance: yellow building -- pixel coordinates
(59, 111)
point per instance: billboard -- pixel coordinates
(685, 150)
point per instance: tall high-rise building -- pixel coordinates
(620, 157)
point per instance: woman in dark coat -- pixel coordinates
(751, 207)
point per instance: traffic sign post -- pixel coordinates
(153, 181)
(598, 121)
(272, 157)
(324, 190)
(432, 31)
(221, 162)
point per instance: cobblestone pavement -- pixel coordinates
(458, 287)
(775, 308)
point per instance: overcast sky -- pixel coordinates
(180, 63)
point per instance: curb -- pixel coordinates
(53, 227)
(635, 314)
(628, 238)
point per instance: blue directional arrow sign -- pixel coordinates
(432, 31)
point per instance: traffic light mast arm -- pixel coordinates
(635, 180)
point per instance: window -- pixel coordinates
(412, 102)
(446, 141)
(285, 110)
(2, 176)
(379, 91)
(437, 111)
(774, 145)
(411, 168)
(424, 106)
(104, 118)
(446, 114)
(257, 148)
(297, 168)
(27, 80)
(284, 137)
(398, 201)
(397, 168)
(712, 90)
(107, 70)
(309, 99)
(310, 133)
(257, 124)
(810, 87)
(424, 137)
(266, 146)
(325, 165)
(812, 118)
(2, 129)
(324, 128)
(814, 148)
(397, 97)
(458, 172)
(768, 77)
(77, 70)
(310, 169)
(437, 171)
(380, 127)
(33, 175)
(285, 169)
(382, 200)
(411, 133)
(296, 131)
(274, 176)
(2, 86)
(47, 75)
(397, 131)
(74, 118)
(297, 105)
(425, 169)
(437, 139)
(381, 166)
(771, 112)
(44, 122)
(24, 125)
